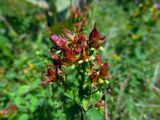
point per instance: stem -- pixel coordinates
(156, 77)
(89, 97)
(63, 83)
(123, 86)
(81, 83)
(105, 103)
(82, 113)
(106, 110)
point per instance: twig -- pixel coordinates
(122, 89)
(82, 113)
(156, 79)
(105, 109)
(148, 105)
(120, 97)
(157, 90)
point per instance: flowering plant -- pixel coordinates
(75, 53)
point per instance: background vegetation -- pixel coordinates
(132, 50)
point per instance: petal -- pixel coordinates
(94, 35)
(56, 59)
(104, 71)
(93, 75)
(98, 60)
(68, 34)
(94, 39)
(58, 41)
(69, 56)
(51, 72)
(45, 81)
(103, 38)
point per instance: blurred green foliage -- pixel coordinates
(132, 49)
(133, 52)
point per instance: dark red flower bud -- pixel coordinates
(49, 77)
(84, 54)
(51, 72)
(104, 71)
(56, 60)
(98, 60)
(80, 38)
(79, 43)
(77, 49)
(58, 41)
(94, 35)
(69, 56)
(94, 38)
(68, 34)
(93, 75)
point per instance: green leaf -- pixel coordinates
(95, 97)
(94, 114)
(23, 89)
(85, 104)
(33, 103)
(69, 94)
(24, 117)
(3, 84)
(18, 101)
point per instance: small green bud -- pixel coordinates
(81, 61)
(100, 80)
(73, 66)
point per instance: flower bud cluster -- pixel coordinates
(71, 48)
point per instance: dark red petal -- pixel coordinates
(94, 35)
(84, 54)
(56, 60)
(93, 75)
(77, 49)
(49, 77)
(45, 81)
(69, 56)
(103, 38)
(51, 72)
(80, 38)
(58, 41)
(98, 60)
(94, 38)
(104, 71)
(68, 34)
